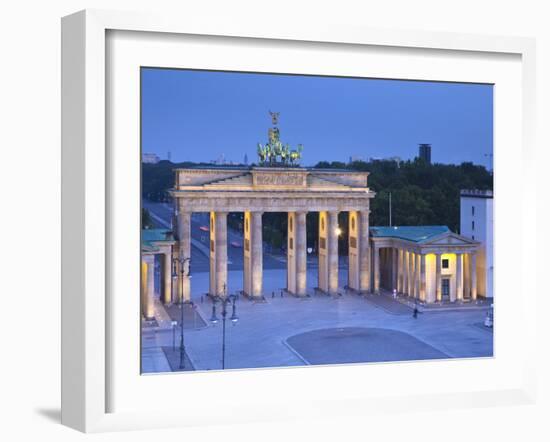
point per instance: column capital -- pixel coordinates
(180, 205)
(148, 258)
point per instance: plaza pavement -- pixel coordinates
(263, 336)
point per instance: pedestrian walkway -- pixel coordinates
(173, 356)
(389, 305)
(262, 337)
(479, 304)
(192, 317)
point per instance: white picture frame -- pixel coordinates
(87, 206)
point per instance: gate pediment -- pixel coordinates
(450, 239)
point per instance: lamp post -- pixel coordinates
(185, 268)
(224, 301)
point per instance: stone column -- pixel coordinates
(257, 255)
(183, 229)
(417, 276)
(395, 265)
(376, 270)
(466, 275)
(332, 252)
(423, 277)
(247, 254)
(399, 270)
(301, 254)
(405, 272)
(411, 274)
(322, 252)
(291, 253)
(176, 293)
(253, 254)
(353, 250)
(167, 277)
(438, 276)
(364, 251)
(459, 278)
(149, 288)
(220, 252)
(212, 285)
(143, 284)
(473, 276)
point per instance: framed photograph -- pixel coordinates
(299, 223)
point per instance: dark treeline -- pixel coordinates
(157, 178)
(421, 194)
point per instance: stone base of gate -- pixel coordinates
(348, 289)
(296, 295)
(260, 298)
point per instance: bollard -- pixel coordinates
(281, 293)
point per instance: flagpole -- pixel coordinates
(390, 209)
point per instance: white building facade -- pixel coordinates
(476, 222)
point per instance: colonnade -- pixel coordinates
(419, 274)
(147, 289)
(296, 284)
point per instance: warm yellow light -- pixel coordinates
(338, 231)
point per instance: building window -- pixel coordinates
(445, 263)
(473, 210)
(473, 225)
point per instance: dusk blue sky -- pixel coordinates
(201, 115)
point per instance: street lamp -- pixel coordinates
(224, 301)
(185, 268)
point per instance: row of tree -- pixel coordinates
(421, 194)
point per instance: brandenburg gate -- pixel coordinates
(428, 263)
(293, 190)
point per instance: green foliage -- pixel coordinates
(157, 178)
(422, 194)
(146, 220)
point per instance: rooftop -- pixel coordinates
(151, 236)
(230, 167)
(476, 193)
(417, 234)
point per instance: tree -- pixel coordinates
(146, 220)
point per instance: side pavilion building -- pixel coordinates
(158, 243)
(428, 263)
